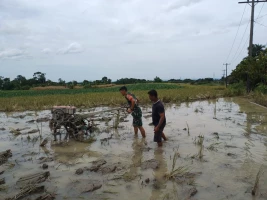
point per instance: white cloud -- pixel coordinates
(71, 48)
(127, 33)
(180, 3)
(12, 54)
(47, 51)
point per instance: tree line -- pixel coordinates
(39, 80)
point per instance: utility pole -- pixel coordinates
(252, 3)
(226, 64)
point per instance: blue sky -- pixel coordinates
(77, 40)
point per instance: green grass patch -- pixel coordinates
(134, 87)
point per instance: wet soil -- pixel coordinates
(219, 147)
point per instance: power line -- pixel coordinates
(240, 42)
(262, 16)
(234, 58)
(261, 24)
(237, 32)
(244, 46)
(260, 12)
(258, 17)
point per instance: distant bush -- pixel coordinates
(87, 86)
(236, 89)
(25, 87)
(261, 88)
(71, 86)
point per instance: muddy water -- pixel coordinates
(234, 148)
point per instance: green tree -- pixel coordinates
(257, 49)
(75, 83)
(7, 85)
(1, 82)
(105, 80)
(39, 77)
(61, 82)
(85, 82)
(157, 80)
(254, 67)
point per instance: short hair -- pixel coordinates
(153, 93)
(123, 88)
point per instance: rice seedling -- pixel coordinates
(179, 171)
(117, 120)
(187, 128)
(256, 184)
(215, 110)
(199, 142)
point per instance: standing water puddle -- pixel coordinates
(219, 147)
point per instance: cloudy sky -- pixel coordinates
(89, 39)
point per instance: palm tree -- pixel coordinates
(257, 49)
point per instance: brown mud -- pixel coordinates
(214, 150)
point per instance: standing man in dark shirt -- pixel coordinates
(135, 110)
(158, 117)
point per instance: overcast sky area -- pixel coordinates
(81, 39)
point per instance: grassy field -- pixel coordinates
(63, 91)
(45, 99)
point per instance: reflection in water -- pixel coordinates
(160, 181)
(187, 104)
(137, 156)
(256, 117)
(248, 126)
(71, 152)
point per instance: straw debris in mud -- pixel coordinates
(26, 191)
(213, 146)
(257, 181)
(33, 178)
(4, 155)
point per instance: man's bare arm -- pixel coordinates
(162, 117)
(132, 105)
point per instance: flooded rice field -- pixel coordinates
(216, 149)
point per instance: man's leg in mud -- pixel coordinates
(157, 137)
(142, 130)
(163, 136)
(135, 130)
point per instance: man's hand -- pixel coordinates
(156, 129)
(129, 110)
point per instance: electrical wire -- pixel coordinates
(234, 58)
(240, 43)
(237, 33)
(261, 24)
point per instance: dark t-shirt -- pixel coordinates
(157, 109)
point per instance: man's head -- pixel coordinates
(123, 90)
(153, 95)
